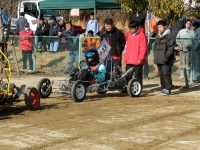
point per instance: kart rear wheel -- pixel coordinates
(32, 99)
(78, 91)
(44, 88)
(134, 88)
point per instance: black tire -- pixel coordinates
(78, 88)
(42, 87)
(32, 99)
(134, 88)
(102, 92)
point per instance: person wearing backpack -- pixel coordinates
(164, 56)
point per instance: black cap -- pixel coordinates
(92, 13)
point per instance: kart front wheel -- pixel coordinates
(44, 88)
(32, 99)
(134, 88)
(78, 91)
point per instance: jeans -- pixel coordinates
(27, 55)
(184, 62)
(72, 55)
(54, 45)
(197, 65)
(164, 72)
(110, 63)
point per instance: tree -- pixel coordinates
(10, 7)
(169, 9)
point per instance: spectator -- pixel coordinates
(72, 45)
(135, 53)
(90, 42)
(164, 56)
(196, 27)
(53, 31)
(184, 47)
(42, 30)
(26, 46)
(4, 18)
(62, 24)
(92, 25)
(153, 25)
(141, 19)
(116, 39)
(21, 22)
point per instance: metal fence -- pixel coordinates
(71, 49)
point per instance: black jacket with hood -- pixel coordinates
(116, 40)
(164, 48)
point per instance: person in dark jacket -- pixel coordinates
(141, 19)
(72, 45)
(164, 56)
(21, 22)
(42, 30)
(53, 31)
(116, 39)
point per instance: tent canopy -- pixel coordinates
(80, 4)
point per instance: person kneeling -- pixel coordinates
(95, 71)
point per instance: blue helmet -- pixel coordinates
(92, 53)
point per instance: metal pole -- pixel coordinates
(95, 21)
(35, 53)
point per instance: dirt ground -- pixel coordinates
(104, 122)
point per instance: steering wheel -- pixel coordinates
(84, 65)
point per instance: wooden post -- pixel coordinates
(15, 58)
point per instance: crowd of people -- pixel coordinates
(135, 41)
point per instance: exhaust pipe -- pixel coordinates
(127, 72)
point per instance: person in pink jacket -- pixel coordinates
(26, 46)
(136, 49)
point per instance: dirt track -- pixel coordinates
(110, 122)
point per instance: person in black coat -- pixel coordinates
(116, 39)
(42, 30)
(53, 31)
(164, 56)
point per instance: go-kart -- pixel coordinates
(78, 89)
(10, 93)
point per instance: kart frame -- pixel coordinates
(10, 93)
(78, 89)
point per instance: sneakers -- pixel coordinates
(30, 71)
(181, 77)
(165, 92)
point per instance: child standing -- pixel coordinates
(136, 49)
(164, 56)
(26, 46)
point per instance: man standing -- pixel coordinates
(72, 45)
(92, 25)
(21, 22)
(135, 55)
(116, 39)
(196, 27)
(42, 30)
(26, 46)
(184, 47)
(4, 18)
(53, 31)
(164, 56)
(141, 19)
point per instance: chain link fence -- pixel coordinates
(54, 55)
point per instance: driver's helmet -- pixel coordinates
(92, 57)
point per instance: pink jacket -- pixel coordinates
(136, 48)
(26, 42)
